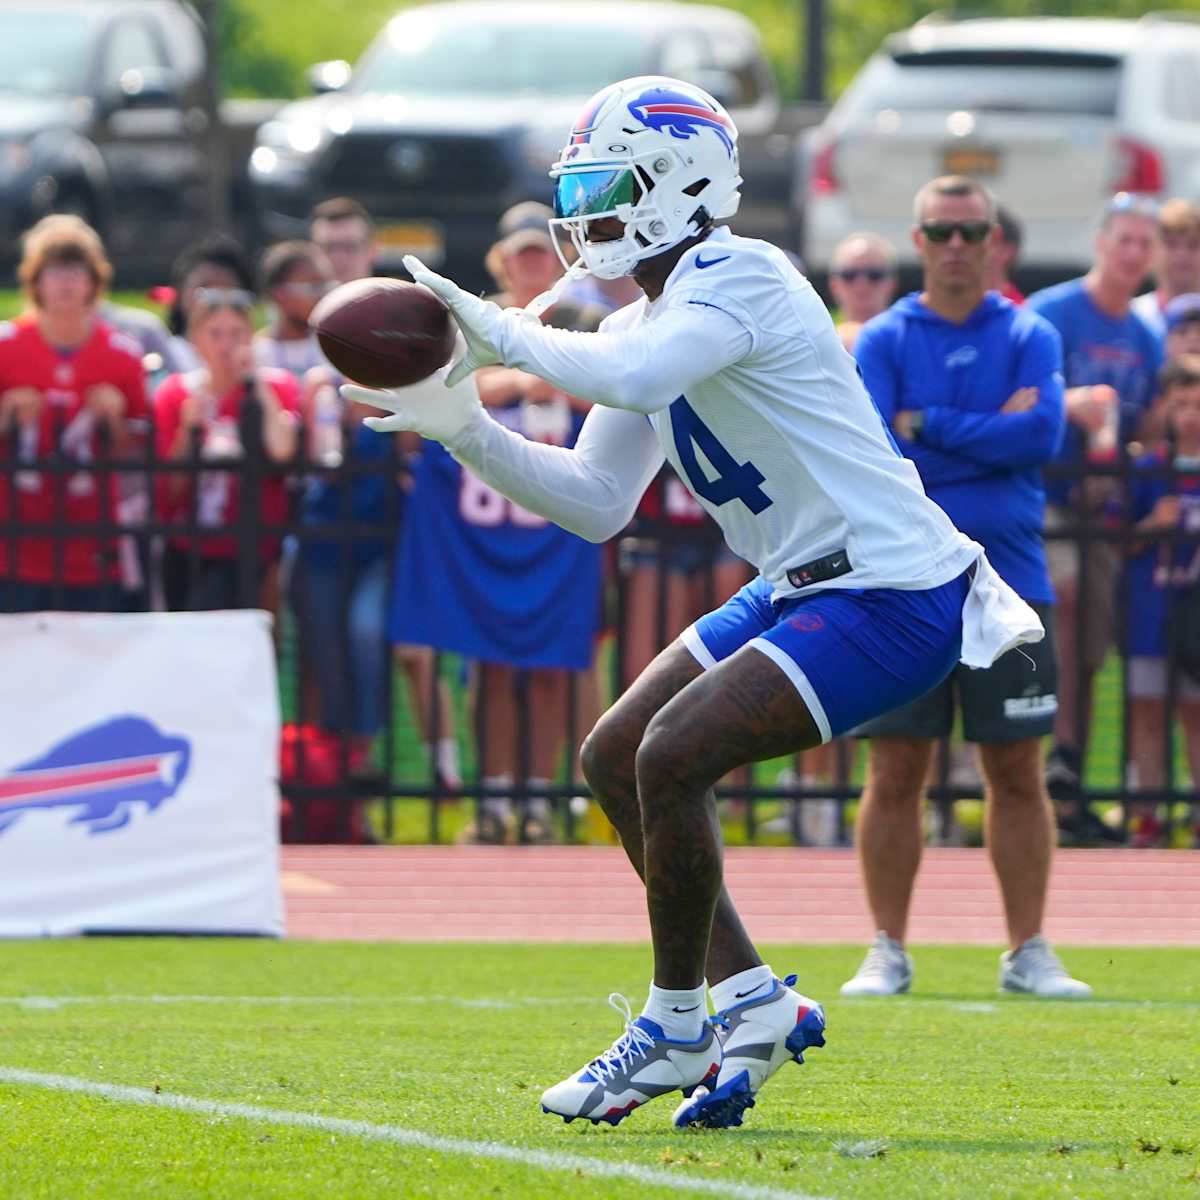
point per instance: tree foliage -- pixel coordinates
(270, 44)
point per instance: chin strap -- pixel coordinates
(551, 296)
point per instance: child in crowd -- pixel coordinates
(201, 411)
(1165, 496)
(294, 276)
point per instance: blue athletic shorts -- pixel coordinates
(852, 654)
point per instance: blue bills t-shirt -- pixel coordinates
(1160, 567)
(1097, 348)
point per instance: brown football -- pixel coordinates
(384, 332)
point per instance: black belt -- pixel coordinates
(829, 566)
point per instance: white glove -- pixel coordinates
(478, 319)
(427, 408)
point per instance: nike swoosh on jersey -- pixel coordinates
(701, 263)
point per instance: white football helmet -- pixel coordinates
(658, 154)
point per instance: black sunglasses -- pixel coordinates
(871, 274)
(973, 232)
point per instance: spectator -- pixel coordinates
(341, 587)
(524, 264)
(676, 568)
(201, 411)
(1157, 575)
(215, 263)
(69, 387)
(145, 328)
(1110, 361)
(331, 592)
(1177, 266)
(971, 384)
(1002, 256)
(862, 280)
(482, 577)
(342, 230)
(590, 291)
(1182, 321)
(293, 276)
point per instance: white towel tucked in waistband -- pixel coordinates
(995, 618)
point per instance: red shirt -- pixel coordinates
(667, 500)
(1010, 292)
(218, 502)
(66, 424)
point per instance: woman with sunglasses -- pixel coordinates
(214, 262)
(199, 419)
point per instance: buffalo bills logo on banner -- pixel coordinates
(681, 115)
(98, 775)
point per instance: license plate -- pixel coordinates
(971, 160)
(421, 238)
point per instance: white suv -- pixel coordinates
(1053, 114)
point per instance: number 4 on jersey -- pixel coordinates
(734, 480)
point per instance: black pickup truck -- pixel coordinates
(456, 110)
(101, 114)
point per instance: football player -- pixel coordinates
(867, 596)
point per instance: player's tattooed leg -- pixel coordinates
(608, 758)
(742, 710)
(610, 750)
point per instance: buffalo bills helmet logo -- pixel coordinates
(681, 115)
(99, 774)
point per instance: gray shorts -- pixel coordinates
(1015, 698)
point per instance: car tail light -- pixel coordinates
(823, 181)
(1141, 168)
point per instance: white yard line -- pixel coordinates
(542, 1160)
(52, 1002)
(981, 1006)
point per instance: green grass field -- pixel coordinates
(950, 1092)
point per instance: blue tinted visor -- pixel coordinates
(586, 193)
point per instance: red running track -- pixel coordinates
(590, 893)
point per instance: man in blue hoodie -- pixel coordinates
(972, 387)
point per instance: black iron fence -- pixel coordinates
(153, 539)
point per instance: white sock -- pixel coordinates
(680, 1013)
(538, 807)
(753, 983)
(448, 762)
(498, 806)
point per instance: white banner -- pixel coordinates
(138, 774)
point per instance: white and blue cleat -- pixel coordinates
(641, 1065)
(757, 1037)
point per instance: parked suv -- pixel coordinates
(457, 110)
(1055, 115)
(101, 117)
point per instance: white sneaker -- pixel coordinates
(641, 1065)
(757, 1037)
(885, 971)
(1034, 968)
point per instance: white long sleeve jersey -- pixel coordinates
(736, 375)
